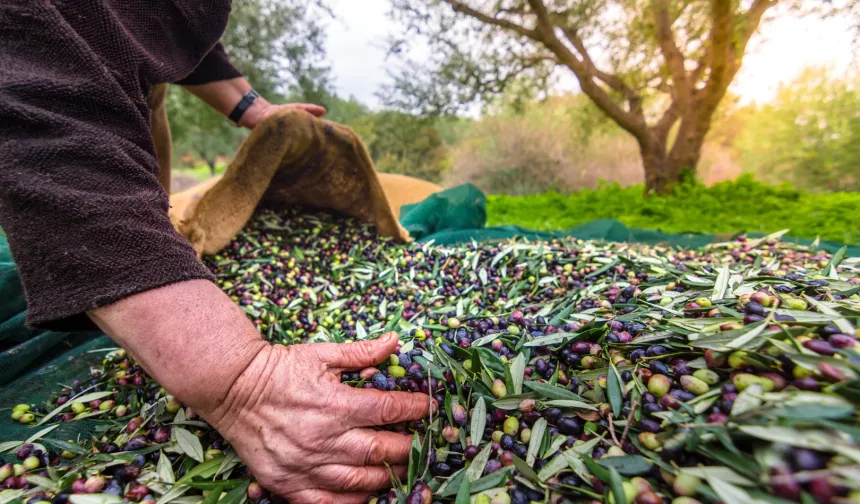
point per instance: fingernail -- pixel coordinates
(386, 338)
(434, 406)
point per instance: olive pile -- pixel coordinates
(567, 371)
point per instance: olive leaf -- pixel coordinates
(613, 389)
(729, 493)
(236, 496)
(213, 497)
(464, 491)
(628, 465)
(165, 469)
(189, 444)
(616, 485)
(81, 398)
(478, 421)
(94, 499)
(479, 463)
(570, 404)
(538, 430)
(518, 369)
(552, 391)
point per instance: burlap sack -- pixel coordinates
(291, 158)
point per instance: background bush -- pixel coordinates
(744, 205)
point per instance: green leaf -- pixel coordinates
(94, 498)
(41, 433)
(43, 482)
(84, 398)
(553, 339)
(720, 472)
(616, 485)
(63, 445)
(463, 493)
(207, 469)
(229, 484)
(840, 321)
(613, 389)
(213, 497)
(174, 493)
(629, 465)
(512, 402)
(491, 360)
(10, 445)
(524, 468)
(188, 443)
(552, 392)
(812, 439)
(835, 260)
(721, 284)
(518, 370)
(478, 421)
(237, 495)
(571, 404)
(165, 470)
(538, 430)
(231, 460)
(493, 480)
(479, 463)
(730, 494)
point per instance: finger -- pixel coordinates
(344, 478)
(316, 110)
(371, 408)
(317, 496)
(366, 447)
(357, 355)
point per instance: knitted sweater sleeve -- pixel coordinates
(84, 214)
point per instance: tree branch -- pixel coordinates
(484, 18)
(632, 121)
(671, 53)
(751, 23)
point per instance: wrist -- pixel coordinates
(255, 113)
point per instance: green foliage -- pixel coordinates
(809, 135)
(743, 205)
(278, 45)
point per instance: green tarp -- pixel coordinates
(32, 363)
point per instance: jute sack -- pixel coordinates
(290, 158)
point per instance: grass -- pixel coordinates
(737, 206)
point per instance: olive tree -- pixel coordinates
(657, 68)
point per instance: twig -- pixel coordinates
(633, 406)
(612, 431)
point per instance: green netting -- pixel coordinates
(32, 363)
(458, 215)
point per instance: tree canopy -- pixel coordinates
(657, 68)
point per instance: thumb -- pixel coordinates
(360, 354)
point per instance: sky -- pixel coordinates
(356, 50)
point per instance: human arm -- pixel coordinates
(303, 433)
(87, 223)
(217, 82)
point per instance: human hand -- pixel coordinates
(262, 108)
(306, 436)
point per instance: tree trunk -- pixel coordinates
(211, 164)
(658, 178)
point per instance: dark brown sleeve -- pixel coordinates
(84, 213)
(215, 67)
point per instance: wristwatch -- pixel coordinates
(243, 105)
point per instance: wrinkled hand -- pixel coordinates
(261, 108)
(304, 435)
